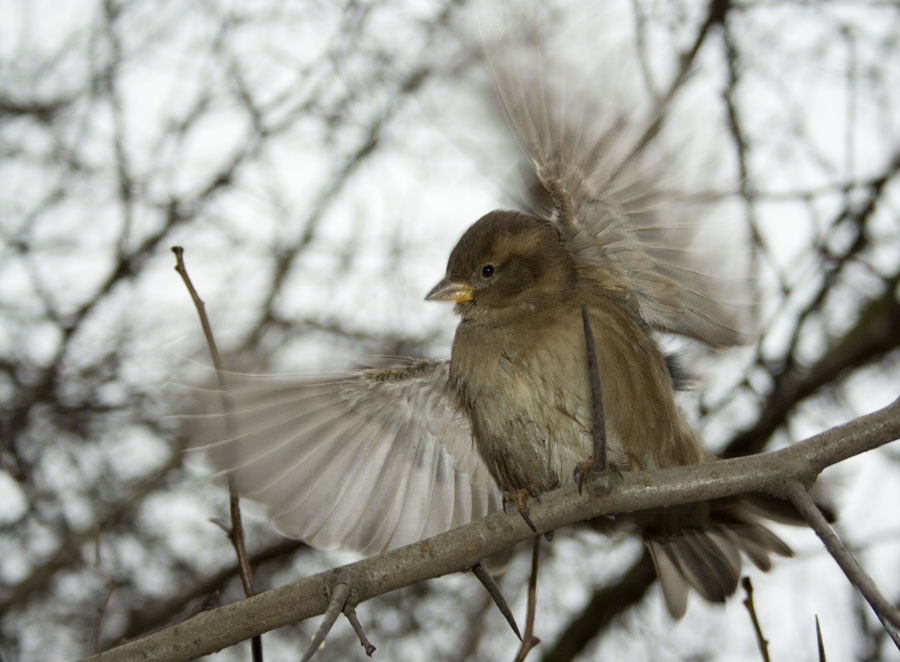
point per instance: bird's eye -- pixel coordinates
(487, 270)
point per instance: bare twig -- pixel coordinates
(350, 613)
(748, 603)
(597, 466)
(141, 621)
(717, 10)
(236, 532)
(529, 641)
(201, 312)
(101, 612)
(887, 613)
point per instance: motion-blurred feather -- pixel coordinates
(387, 456)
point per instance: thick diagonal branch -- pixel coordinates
(464, 547)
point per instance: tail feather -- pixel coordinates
(674, 586)
(748, 542)
(707, 558)
(784, 512)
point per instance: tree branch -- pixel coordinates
(887, 613)
(463, 547)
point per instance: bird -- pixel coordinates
(387, 456)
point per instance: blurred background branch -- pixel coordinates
(319, 160)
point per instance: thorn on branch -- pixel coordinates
(820, 644)
(339, 595)
(487, 580)
(222, 524)
(597, 468)
(598, 423)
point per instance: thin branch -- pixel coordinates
(716, 14)
(157, 615)
(464, 547)
(342, 598)
(201, 313)
(887, 613)
(101, 613)
(529, 641)
(64, 556)
(350, 613)
(748, 603)
(236, 532)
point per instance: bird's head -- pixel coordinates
(507, 265)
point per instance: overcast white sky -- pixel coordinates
(819, 103)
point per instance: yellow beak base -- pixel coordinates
(450, 290)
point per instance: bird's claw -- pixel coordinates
(582, 469)
(520, 498)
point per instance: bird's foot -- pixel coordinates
(600, 481)
(520, 498)
(582, 470)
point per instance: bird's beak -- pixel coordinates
(450, 290)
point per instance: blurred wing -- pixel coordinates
(374, 461)
(595, 180)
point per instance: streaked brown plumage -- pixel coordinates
(519, 369)
(388, 456)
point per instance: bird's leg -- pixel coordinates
(520, 498)
(602, 475)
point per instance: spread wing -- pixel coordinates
(594, 176)
(370, 462)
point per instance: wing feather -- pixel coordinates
(367, 462)
(593, 162)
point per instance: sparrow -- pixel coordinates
(388, 456)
